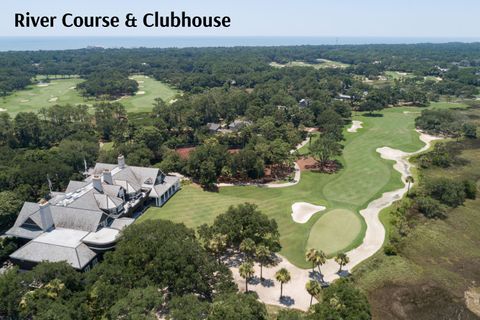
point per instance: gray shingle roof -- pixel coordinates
(75, 185)
(37, 252)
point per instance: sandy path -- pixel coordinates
(297, 297)
(355, 126)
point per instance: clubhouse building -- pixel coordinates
(80, 224)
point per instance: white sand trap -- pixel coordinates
(53, 99)
(140, 81)
(173, 100)
(71, 88)
(303, 211)
(409, 112)
(355, 126)
(140, 92)
(3, 110)
(24, 100)
(42, 85)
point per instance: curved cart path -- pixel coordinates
(294, 291)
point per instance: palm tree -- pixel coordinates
(342, 259)
(409, 180)
(317, 258)
(246, 272)
(217, 245)
(310, 257)
(263, 254)
(313, 288)
(320, 259)
(248, 247)
(282, 276)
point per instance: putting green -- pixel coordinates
(334, 231)
(62, 91)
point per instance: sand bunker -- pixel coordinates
(24, 100)
(3, 110)
(355, 126)
(303, 211)
(53, 99)
(173, 100)
(140, 92)
(42, 85)
(140, 81)
(71, 88)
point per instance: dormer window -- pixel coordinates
(149, 181)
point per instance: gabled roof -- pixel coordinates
(75, 185)
(78, 219)
(111, 190)
(87, 201)
(159, 189)
(107, 202)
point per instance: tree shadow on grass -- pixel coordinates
(373, 115)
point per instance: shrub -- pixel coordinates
(470, 189)
(390, 250)
(430, 208)
(447, 191)
(470, 130)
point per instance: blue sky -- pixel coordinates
(334, 18)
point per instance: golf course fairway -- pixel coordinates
(365, 176)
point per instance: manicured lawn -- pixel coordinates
(62, 91)
(148, 90)
(35, 97)
(365, 176)
(335, 230)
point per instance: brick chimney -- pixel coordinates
(46, 218)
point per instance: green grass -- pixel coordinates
(365, 176)
(62, 91)
(107, 146)
(152, 89)
(335, 230)
(33, 98)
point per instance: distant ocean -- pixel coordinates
(62, 43)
